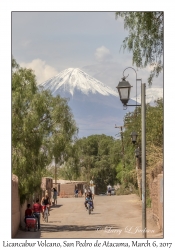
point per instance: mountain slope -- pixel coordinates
(95, 106)
(71, 79)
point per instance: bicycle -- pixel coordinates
(46, 213)
(89, 206)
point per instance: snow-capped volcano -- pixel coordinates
(95, 106)
(71, 80)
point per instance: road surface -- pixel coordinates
(113, 217)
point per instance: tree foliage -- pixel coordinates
(94, 159)
(145, 39)
(42, 126)
(154, 138)
(70, 170)
(101, 157)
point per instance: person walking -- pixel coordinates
(109, 189)
(37, 209)
(55, 194)
(85, 192)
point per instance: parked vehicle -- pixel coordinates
(102, 193)
(113, 192)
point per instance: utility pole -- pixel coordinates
(55, 175)
(138, 170)
(56, 166)
(121, 134)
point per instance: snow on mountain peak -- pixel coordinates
(152, 94)
(74, 78)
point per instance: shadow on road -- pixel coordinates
(56, 206)
(95, 213)
(55, 228)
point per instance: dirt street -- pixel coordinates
(113, 217)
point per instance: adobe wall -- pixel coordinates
(47, 184)
(67, 189)
(15, 206)
(160, 200)
(156, 194)
(18, 211)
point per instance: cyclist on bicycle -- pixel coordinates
(89, 197)
(45, 202)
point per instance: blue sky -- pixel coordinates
(49, 42)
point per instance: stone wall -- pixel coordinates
(157, 200)
(160, 201)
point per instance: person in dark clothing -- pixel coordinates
(109, 191)
(76, 192)
(28, 212)
(55, 194)
(45, 202)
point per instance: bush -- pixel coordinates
(125, 190)
(148, 202)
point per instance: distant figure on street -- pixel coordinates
(85, 192)
(109, 189)
(76, 192)
(92, 186)
(55, 194)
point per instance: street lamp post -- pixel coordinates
(124, 92)
(137, 155)
(134, 137)
(123, 152)
(139, 180)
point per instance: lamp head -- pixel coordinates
(124, 89)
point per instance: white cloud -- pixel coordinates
(102, 54)
(42, 70)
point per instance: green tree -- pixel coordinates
(42, 126)
(154, 133)
(71, 169)
(96, 160)
(154, 141)
(145, 39)
(103, 173)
